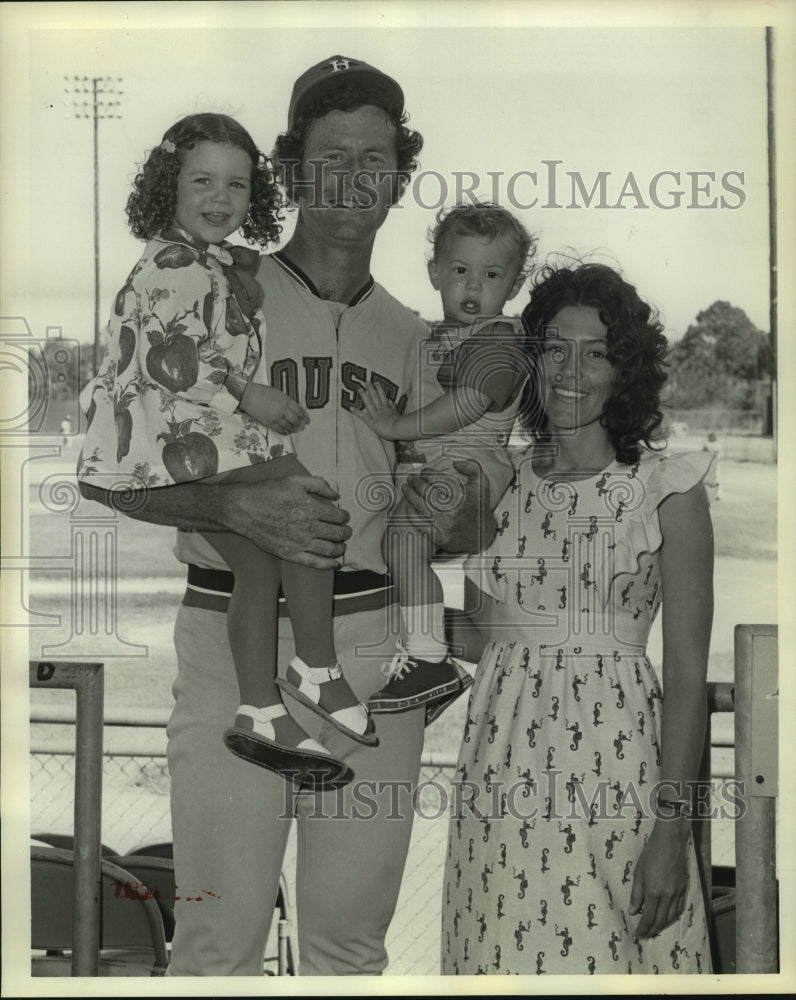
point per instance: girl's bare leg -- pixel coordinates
(252, 615)
(310, 597)
(252, 621)
(263, 732)
(253, 607)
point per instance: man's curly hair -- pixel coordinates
(151, 206)
(483, 219)
(636, 348)
(288, 153)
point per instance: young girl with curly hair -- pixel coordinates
(570, 848)
(174, 401)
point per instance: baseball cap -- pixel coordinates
(326, 74)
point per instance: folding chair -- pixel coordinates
(153, 876)
(153, 865)
(286, 945)
(132, 938)
(161, 849)
(67, 842)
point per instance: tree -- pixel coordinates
(719, 360)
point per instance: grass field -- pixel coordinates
(745, 526)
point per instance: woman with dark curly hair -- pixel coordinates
(570, 847)
(636, 349)
(174, 401)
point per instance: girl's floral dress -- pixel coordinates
(183, 340)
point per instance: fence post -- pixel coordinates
(87, 681)
(720, 698)
(756, 703)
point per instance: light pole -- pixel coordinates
(772, 223)
(93, 100)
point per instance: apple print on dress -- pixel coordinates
(121, 295)
(173, 360)
(127, 287)
(188, 454)
(91, 412)
(179, 327)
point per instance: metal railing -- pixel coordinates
(756, 767)
(752, 698)
(87, 681)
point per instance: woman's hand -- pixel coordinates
(378, 412)
(660, 880)
(273, 408)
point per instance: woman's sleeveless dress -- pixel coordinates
(561, 745)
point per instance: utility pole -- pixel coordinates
(94, 101)
(772, 223)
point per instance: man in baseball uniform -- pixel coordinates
(330, 328)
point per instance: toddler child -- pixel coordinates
(174, 401)
(480, 258)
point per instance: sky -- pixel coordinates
(502, 102)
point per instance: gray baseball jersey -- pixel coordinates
(319, 353)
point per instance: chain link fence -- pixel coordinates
(135, 812)
(135, 798)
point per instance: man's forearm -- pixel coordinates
(293, 518)
(193, 506)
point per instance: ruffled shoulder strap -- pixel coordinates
(664, 473)
(657, 475)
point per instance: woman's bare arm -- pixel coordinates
(467, 630)
(661, 876)
(687, 579)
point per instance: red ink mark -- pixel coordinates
(195, 899)
(134, 890)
